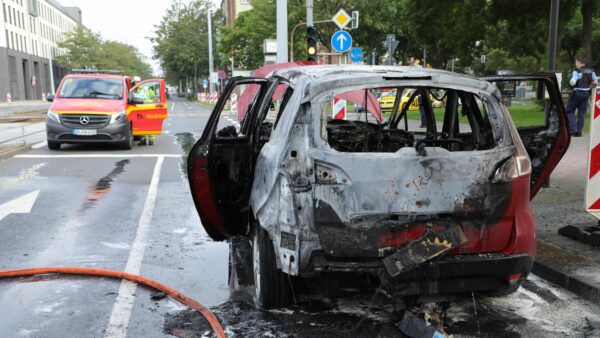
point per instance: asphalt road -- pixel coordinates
(97, 206)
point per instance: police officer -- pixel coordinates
(582, 80)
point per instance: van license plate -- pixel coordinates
(84, 132)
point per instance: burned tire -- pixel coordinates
(272, 288)
(54, 145)
(240, 262)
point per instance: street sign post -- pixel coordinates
(205, 83)
(356, 54)
(341, 41)
(341, 18)
(222, 75)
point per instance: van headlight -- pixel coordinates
(53, 116)
(117, 117)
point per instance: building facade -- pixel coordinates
(30, 31)
(232, 8)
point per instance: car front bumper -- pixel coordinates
(109, 133)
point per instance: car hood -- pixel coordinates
(88, 106)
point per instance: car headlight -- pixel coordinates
(53, 116)
(117, 117)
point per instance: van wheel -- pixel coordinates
(54, 145)
(128, 143)
(272, 287)
(240, 262)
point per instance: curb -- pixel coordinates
(555, 270)
(577, 286)
(12, 151)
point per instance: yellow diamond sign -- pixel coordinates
(341, 18)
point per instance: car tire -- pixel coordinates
(240, 262)
(128, 143)
(54, 145)
(272, 288)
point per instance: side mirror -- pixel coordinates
(50, 98)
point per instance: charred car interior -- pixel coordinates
(438, 209)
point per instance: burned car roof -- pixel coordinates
(326, 77)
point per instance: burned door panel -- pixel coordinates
(535, 105)
(221, 162)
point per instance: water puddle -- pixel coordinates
(24, 175)
(102, 187)
(186, 141)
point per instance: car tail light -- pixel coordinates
(510, 169)
(514, 277)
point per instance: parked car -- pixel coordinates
(440, 211)
(97, 107)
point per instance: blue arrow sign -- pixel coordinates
(341, 41)
(205, 82)
(356, 54)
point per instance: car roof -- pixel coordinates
(97, 76)
(323, 77)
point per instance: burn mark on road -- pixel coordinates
(103, 185)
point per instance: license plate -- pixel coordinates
(84, 132)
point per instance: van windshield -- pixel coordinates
(92, 88)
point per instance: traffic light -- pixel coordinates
(311, 43)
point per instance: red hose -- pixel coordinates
(210, 317)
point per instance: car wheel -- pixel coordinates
(240, 262)
(54, 145)
(271, 286)
(128, 143)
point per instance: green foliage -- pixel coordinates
(85, 49)
(181, 42)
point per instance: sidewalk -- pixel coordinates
(562, 260)
(23, 107)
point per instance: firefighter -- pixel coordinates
(148, 95)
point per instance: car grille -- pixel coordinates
(74, 121)
(68, 137)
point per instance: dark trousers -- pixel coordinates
(579, 100)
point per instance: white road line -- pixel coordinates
(39, 145)
(173, 105)
(101, 156)
(121, 313)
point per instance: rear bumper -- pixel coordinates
(110, 133)
(449, 274)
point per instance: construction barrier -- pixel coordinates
(339, 108)
(592, 193)
(234, 104)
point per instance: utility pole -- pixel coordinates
(309, 13)
(211, 69)
(282, 31)
(51, 68)
(553, 35)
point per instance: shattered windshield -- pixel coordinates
(92, 88)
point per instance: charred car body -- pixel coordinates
(438, 211)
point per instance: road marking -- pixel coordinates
(100, 156)
(121, 312)
(39, 145)
(19, 205)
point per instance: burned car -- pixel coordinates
(426, 211)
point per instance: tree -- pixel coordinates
(85, 49)
(181, 42)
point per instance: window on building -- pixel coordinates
(4, 11)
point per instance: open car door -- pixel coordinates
(536, 106)
(221, 164)
(147, 107)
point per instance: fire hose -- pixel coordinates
(192, 304)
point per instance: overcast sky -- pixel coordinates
(128, 21)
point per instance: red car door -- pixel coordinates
(536, 106)
(221, 163)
